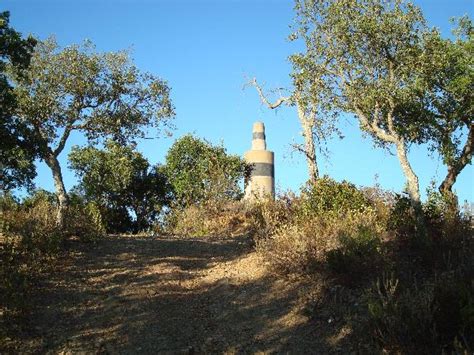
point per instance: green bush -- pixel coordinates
(444, 221)
(433, 316)
(28, 236)
(33, 223)
(435, 232)
(199, 171)
(327, 196)
(84, 220)
(16, 274)
(357, 253)
(129, 191)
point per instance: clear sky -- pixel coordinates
(205, 49)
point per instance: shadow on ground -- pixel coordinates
(177, 295)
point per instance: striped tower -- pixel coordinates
(262, 179)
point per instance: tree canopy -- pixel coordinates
(18, 151)
(78, 89)
(123, 183)
(199, 171)
(363, 56)
(446, 98)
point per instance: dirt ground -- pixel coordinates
(174, 295)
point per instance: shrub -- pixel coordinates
(28, 236)
(302, 245)
(432, 317)
(321, 225)
(33, 223)
(85, 221)
(16, 271)
(266, 216)
(357, 253)
(327, 196)
(445, 222)
(430, 232)
(212, 218)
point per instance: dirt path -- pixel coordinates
(169, 295)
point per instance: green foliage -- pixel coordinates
(357, 253)
(406, 84)
(327, 196)
(446, 99)
(199, 171)
(364, 52)
(428, 318)
(102, 95)
(84, 220)
(119, 179)
(406, 219)
(430, 225)
(330, 225)
(362, 57)
(16, 156)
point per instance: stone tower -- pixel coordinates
(261, 182)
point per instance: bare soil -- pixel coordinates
(174, 295)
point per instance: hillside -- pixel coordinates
(169, 294)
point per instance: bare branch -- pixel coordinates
(300, 148)
(277, 103)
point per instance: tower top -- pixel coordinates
(258, 136)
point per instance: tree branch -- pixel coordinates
(264, 99)
(300, 148)
(62, 141)
(373, 127)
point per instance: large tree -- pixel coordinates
(98, 94)
(17, 153)
(365, 54)
(120, 180)
(446, 92)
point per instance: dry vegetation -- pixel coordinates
(335, 269)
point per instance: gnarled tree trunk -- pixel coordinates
(455, 168)
(307, 124)
(53, 163)
(412, 180)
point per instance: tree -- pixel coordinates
(365, 55)
(120, 180)
(199, 171)
(318, 121)
(98, 94)
(17, 155)
(446, 94)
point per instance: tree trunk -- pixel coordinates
(53, 163)
(309, 146)
(447, 185)
(412, 179)
(455, 168)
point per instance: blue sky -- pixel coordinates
(205, 50)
